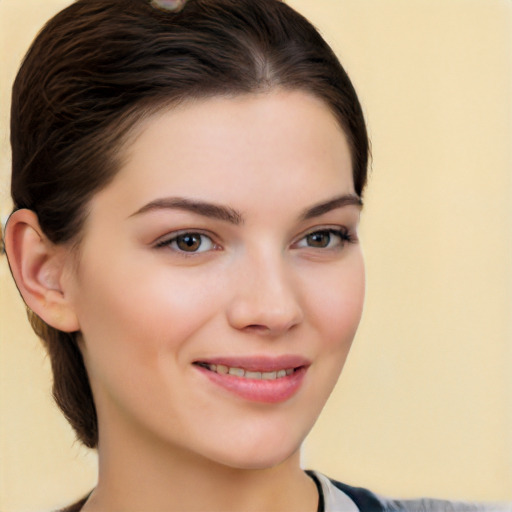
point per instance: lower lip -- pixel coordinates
(259, 390)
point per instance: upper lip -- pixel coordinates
(258, 363)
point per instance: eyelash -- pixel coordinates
(344, 235)
(169, 242)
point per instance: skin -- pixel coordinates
(256, 284)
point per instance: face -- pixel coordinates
(220, 280)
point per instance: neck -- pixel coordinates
(146, 475)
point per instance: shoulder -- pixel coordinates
(433, 505)
(368, 501)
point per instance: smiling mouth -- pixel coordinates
(248, 374)
(260, 379)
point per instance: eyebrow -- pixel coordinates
(233, 216)
(191, 205)
(332, 204)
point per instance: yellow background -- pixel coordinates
(424, 406)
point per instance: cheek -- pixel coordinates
(136, 333)
(142, 316)
(338, 303)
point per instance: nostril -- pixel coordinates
(258, 328)
(271, 329)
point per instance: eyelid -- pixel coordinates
(346, 235)
(165, 241)
(323, 227)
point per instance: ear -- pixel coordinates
(38, 266)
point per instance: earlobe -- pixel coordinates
(37, 266)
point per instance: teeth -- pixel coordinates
(247, 374)
(237, 372)
(252, 375)
(221, 369)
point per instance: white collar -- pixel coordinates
(335, 500)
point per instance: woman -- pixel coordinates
(187, 181)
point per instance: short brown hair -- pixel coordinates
(99, 66)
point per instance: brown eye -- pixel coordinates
(318, 239)
(330, 238)
(189, 242)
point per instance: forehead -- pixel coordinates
(287, 142)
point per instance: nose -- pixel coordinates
(265, 298)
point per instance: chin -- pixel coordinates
(257, 461)
(263, 454)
